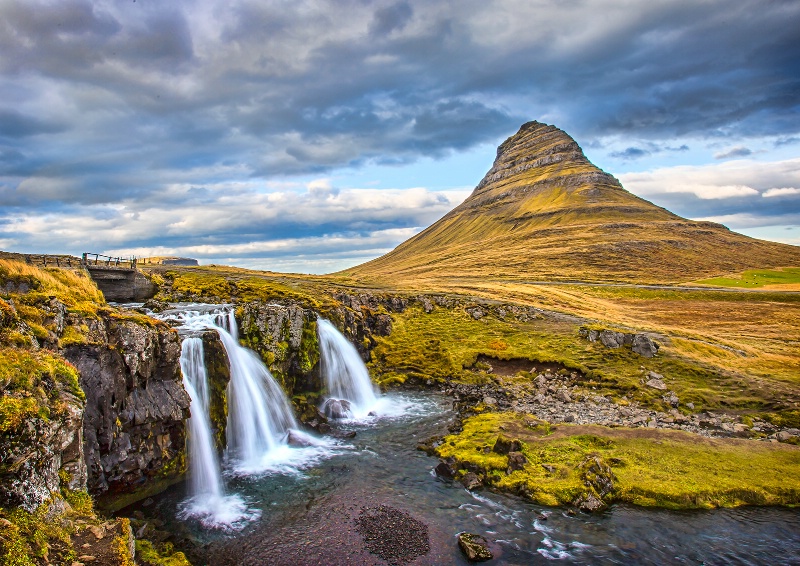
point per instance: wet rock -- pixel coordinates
(504, 445)
(589, 502)
(516, 461)
(336, 408)
(343, 434)
(644, 346)
(474, 547)
(298, 440)
(155, 305)
(471, 481)
(445, 470)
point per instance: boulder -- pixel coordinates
(612, 339)
(516, 461)
(563, 396)
(505, 445)
(644, 346)
(445, 470)
(474, 547)
(589, 502)
(471, 481)
(336, 408)
(656, 384)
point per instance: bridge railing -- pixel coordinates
(89, 258)
(51, 260)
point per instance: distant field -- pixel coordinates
(759, 278)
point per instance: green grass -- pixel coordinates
(440, 345)
(653, 468)
(31, 383)
(757, 278)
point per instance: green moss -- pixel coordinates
(164, 554)
(43, 536)
(72, 336)
(653, 468)
(309, 347)
(29, 379)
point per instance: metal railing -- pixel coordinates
(89, 259)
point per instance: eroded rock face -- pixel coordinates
(136, 406)
(37, 450)
(285, 337)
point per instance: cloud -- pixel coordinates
(136, 108)
(783, 192)
(630, 153)
(738, 151)
(726, 190)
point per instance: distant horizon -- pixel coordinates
(313, 138)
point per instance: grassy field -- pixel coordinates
(669, 469)
(787, 278)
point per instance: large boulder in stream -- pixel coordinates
(474, 547)
(337, 408)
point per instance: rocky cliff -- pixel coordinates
(134, 429)
(545, 212)
(91, 395)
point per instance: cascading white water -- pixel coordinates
(346, 376)
(204, 470)
(259, 415)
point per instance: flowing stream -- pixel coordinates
(308, 512)
(298, 506)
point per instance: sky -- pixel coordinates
(310, 136)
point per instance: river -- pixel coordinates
(307, 511)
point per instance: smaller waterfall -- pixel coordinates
(350, 389)
(203, 462)
(259, 415)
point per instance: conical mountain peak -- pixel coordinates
(545, 212)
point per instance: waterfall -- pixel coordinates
(259, 415)
(204, 467)
(345, 374)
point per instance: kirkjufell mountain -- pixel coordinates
(545, 212)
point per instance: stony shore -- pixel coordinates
(558, 397)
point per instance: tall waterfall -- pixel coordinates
(204, 467)
(345, 374)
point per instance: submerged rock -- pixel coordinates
(474, 547)
(392, 534)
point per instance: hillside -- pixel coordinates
(545, 212)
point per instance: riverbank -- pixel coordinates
(554, 443)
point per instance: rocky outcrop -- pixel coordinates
(285, 337)
(33, 454)
(133, 424)
(639, 343)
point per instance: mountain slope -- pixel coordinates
(545, 212)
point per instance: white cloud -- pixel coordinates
(715, 181)
(786, 191)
